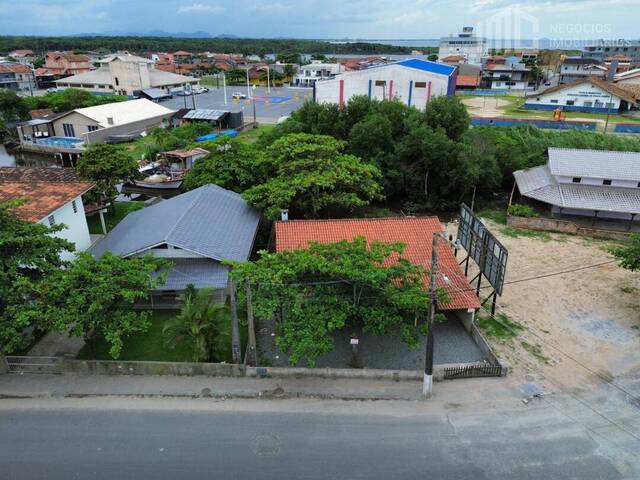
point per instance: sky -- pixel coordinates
(370, 19)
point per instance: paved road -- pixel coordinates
(269, 106)
(131, 438)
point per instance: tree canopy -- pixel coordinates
(95, 297)
(28, 252)
(628, 255)
(327, 287)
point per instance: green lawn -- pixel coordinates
(122, 209)
(149, 346)
(250, 136)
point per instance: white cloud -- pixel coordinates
(201, 8)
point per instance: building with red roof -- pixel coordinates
(415, 232)
(50, 196)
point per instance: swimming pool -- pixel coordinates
(69, 142)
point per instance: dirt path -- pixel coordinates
(575, 323)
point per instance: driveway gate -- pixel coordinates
(33, 364)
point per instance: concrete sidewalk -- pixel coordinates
(45, 386)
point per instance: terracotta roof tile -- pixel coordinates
(415, 232)
(467, 80)
(43, 189)
(14, 68)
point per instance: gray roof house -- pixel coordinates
(196, 231)
(603, 184)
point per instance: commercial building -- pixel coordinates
(308, 75)
(197, 231)
(52, 196)
(575, 68)
(125, 74)
(608, 48)
(16, 76)
(102, 123)
(466, 44)
(592, 183)
(591, 95)
(414, 82)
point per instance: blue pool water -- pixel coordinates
(60, 141)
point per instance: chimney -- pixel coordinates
(284, 215)
(613, 69)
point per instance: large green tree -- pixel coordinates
(313, 176)
(328, 287)
(94, 297)
(106, 165)
(448, 113)
(12, 106)
(28, 252)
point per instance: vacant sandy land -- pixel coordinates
(486, 106)
(591, 315)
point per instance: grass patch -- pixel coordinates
(536, 351)
(517, 233)
(499, 326)
(111, 218)
(497, 216)
(251, 136)
(149, 345)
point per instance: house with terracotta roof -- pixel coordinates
(51, 196)
(16, 76)
(415, 232)
(66, 63)
(591, 95)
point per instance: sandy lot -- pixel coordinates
(486, 106)
(580, 327)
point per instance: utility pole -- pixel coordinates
(606, 123)
(427, 386)
(252, 354)
(224, 87)
(235, 327)
(248, 89)
(268, 81)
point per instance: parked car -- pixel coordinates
(179, 92)
(52, 90)
(239, 95)
(198, 89)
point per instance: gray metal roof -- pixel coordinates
(200, 272)
(205, 114)
(210, 221)
(155, 93)
(612, 165)
(539, 185)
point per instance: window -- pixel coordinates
(380, 83)
(554, 101)
(52, 220)
(68, 130)
(74, 206)
(606, 181)
(92, 128)
(421, 84)
(588, 104)
(577, 179)
(570, 102)
(117, 81)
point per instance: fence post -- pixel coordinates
(4, 368)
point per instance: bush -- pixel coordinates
(522, 211)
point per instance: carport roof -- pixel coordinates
(205, 114)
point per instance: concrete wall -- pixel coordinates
(108, 367)
(77, 230)
(563, 226)
(130, 76)
(132, 128)
(399, 82)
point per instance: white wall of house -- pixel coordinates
(598, 181)
(315, 71)
(474, 49)
(585, 95)
(79, 125)
(379, 82)
(76, 231)
(128, 77)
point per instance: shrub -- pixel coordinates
(522, 211)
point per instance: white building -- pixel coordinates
(473, 48)
(52, 196)
(125, 74)
(511, 76)
(96, 124)
(308, 75)
(414, 82)
(590, 95)
(574, 68)
(602, 184)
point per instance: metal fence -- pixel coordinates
(33, 364)
(470, 371)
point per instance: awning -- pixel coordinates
(200, 272)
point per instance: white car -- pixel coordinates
(283, 119)
(239, 95)
(198, 89)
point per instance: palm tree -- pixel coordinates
(202, 322)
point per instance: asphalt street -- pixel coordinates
(270, 106)
(134, 438)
